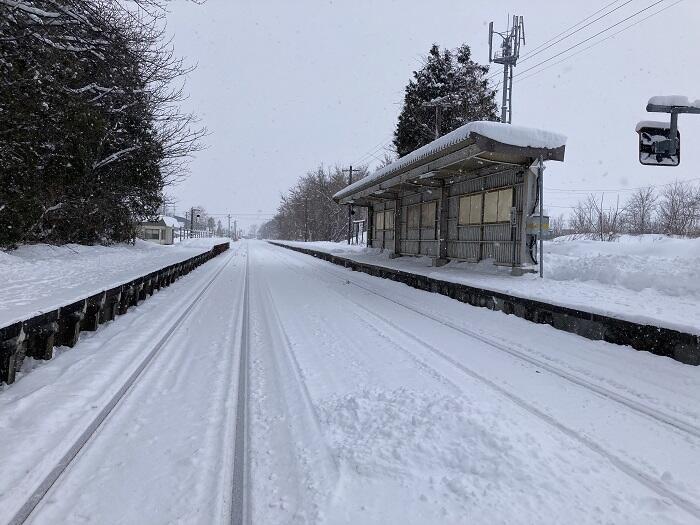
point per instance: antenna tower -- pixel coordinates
(508, 56)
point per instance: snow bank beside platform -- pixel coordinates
(39, 277)
(649, 279)
(649, 262)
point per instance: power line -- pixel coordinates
(592, 37)
(379, 146)
(519, 79)
(530, 55)
(570, 28)
(619, 190)
(535, 50)
(247, 215)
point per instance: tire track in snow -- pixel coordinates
(25, 511)
(630, 470)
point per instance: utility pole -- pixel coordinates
(306, 219)
(349, 171)
(191, 219)
(229, 225)
(235, 230)
(508, 57)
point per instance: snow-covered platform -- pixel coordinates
(38, 278)
(647, 280)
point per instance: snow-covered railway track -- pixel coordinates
(291, 458)
(70, 459)
(523, 355)
(240, 505)
(624, 465)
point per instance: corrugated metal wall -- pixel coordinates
(485, 238)
(383, 228)
(419, 223)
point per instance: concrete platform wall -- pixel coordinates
(36, 337)
(661, 341)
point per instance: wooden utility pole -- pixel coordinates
(306, 219)
(349, 171)
(229, 225)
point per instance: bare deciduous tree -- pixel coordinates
(557, 225)
(640, 210)
(678, 209)
(594, 221)
(308, 211)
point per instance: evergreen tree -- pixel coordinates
(456, 84)
(90, 131)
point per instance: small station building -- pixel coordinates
(160, 231)
(467, 196)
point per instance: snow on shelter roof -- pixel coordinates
(517, 136)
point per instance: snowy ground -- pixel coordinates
(39, 277)
(368, 402)
(650, 279)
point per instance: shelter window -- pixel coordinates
(151, 233)
(464, 209)
(380, 220)
(428, 214)
(505, 202)
(497, 205)
(470, 209)
(413, 218)
(389, 219)
(476, 203)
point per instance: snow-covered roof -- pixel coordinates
(518, 136)
(170, 221)
(674, 100)
(652, 124)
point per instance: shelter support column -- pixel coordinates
(442, 226)
(370, 226)
(397, 227)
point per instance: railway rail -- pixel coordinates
(236, 511)
(652, 413)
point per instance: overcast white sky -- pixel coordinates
(286, 85)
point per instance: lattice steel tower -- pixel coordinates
(508, 56)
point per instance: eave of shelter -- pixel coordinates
(469, 158)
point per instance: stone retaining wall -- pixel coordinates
(680, 346)
(37, 336)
